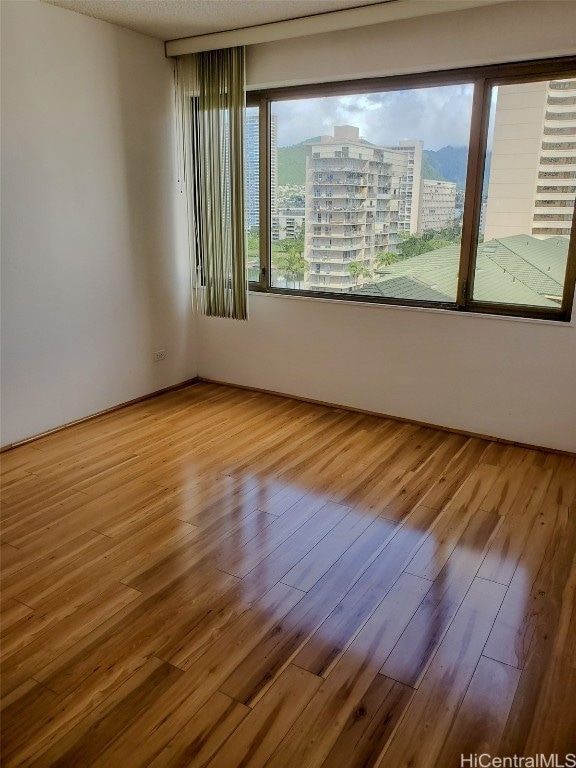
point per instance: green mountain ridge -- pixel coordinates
(449, 162)
(292, 165)
(430, 167)
(445, 164)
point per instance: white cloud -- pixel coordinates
(439, 116)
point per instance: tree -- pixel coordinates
(291, 264)
(296, 242)
(253, 253)
(357, 270)
(411, 245)
(288, 256)
(298, 239)
(386, 258)
(253, 242)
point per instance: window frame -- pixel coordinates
(483, 79)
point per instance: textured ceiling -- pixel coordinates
(171, 19)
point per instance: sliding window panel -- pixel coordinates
(368, 192)
(528, 195)
(252, 192)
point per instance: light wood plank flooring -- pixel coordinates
(223, 578)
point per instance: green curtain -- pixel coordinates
(211, 94)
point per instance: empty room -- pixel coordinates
(288, 383)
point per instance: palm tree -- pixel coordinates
(358, 270)
(292, 265)
(298, 240)
(385, 259)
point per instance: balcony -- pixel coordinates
(560, 115)
(558, 161)
(335, 256)
(354, 233)
(345, 222)
(563, 85)
(353, 245)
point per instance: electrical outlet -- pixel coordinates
(160, 355)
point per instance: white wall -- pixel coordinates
(502, 378)
(94, 277)
(529, 29)
(506, 378)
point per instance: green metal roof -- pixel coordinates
(511, 270)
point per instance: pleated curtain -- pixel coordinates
(210, 89)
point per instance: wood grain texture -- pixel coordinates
(427, 721)
(220, 577)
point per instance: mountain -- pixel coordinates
(449, 162)
(430, 167)
(292, 164)
(446, 164)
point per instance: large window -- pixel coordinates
(454, 190)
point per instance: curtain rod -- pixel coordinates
(332, 21)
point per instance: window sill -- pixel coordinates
(405, 308)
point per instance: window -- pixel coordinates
(522, 255)
(439, 190)
(252, 192)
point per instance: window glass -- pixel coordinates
(528, 194)
(368, 192)
(252, 193)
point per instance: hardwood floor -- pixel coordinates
(223, 578)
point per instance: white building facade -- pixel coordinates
(410, 188)
(354, 192)
(437, 205)
(533, 169)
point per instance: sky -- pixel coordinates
(439, 116)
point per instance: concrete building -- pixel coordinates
(533, 169)
(437, 207)
(289, 221)
(353, 194)
(410, 185)
(252, 170)
(482, 218)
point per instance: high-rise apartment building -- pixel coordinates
(353, 196)
(410, 186)
(252, 170)
(533, 167)
(437, 204)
